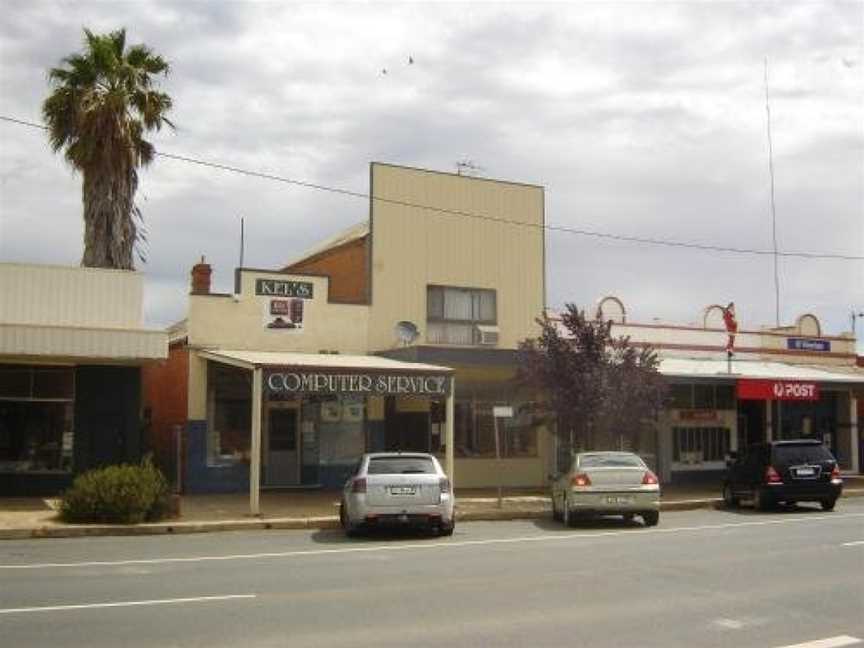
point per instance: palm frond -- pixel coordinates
(103, 101)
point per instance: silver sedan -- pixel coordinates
(606, 483)
(400, 489)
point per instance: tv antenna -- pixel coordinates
(468, 168)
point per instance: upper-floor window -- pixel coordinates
(454, 314)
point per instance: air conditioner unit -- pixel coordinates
(487, 335)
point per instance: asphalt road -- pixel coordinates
(702, 578)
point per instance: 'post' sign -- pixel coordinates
(783, 390)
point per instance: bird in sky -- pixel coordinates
(383, 70)
(410, 60)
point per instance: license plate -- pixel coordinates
(403, 490)
(619, 500)
(805, 472)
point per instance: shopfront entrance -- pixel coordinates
(751, 422)
(308, 418)
(281, 445)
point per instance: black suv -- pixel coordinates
(801, 470)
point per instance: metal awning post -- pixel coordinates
(449, 436)
(255, 460)
(854, 433)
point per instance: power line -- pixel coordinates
(487, 217)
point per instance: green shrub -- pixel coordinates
(126, 494)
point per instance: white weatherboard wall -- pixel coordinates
(61, 313)
(70, 296)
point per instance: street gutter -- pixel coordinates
(315, 522)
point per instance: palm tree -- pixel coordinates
(103, 101)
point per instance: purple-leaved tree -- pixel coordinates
(598, 392)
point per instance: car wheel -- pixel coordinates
(828, 504)
(729, 498)
(761, 502)
(567, 515)
(556, 514)
(651, 518)
(447, 529)
(349, 529)
(628, 517)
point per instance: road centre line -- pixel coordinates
(431, 545)
(88, 606)
(853, 544)
(830, 642)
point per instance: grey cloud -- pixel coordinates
(645, 120)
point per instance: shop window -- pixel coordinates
(725, 396)
(681, 396)
(452, 314)
(230, 414)
(693, 445)
(36, 418)
(703, 397)
(474, 432)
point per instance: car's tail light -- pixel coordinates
(835, 474)
(444, 485)
(649, 478)
(772, 476)
(359, 485)
(580, 479)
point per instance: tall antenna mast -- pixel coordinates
(773, 209)
(242, 240)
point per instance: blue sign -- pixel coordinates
(805, 344)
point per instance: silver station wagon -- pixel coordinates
(606, 483)
(402, 489)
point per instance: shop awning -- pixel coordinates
(719, 369)
(322, 361)
(81, 343)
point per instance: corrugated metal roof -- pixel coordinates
(719, 369)
(253, 359)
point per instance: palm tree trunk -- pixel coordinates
(109, 229)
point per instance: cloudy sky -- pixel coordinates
(641, 119)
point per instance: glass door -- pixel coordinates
(281, 447)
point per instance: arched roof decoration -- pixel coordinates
(712, 317)
(611, 308)
(808, 324)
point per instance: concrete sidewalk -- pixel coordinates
(35, 517)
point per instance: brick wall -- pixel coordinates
(165, 386)
(345, 265)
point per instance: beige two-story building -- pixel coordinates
(399, 333)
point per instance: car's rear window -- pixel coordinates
(401, 466)
(610, 461)
(792, 455)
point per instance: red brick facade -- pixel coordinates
(345, 265)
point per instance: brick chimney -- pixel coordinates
(201, 277)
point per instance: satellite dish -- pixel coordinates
(407, 332)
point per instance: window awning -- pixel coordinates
(718, 369)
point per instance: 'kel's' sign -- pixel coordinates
(278, 288)
(795, 390)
